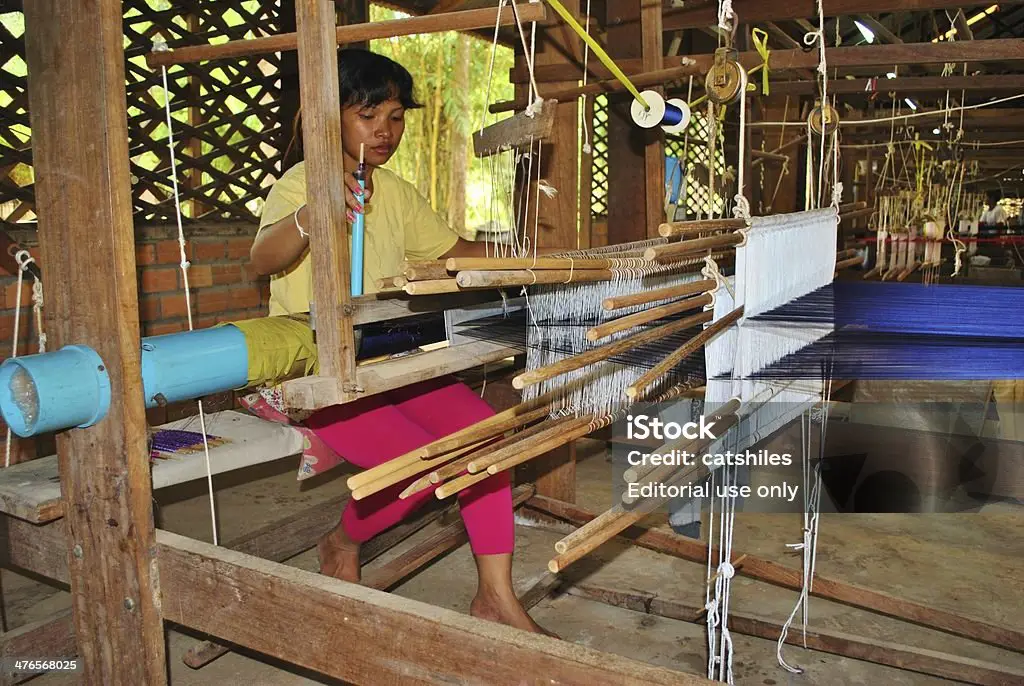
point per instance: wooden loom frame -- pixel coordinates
(125, 576)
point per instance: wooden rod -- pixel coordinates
(524, 277)
(514, 417)
(694, 245)
(785, 146)
(646, 316)
(865, 212)
(908, 271)
(845, 254)
(851, 262)
(552, 433)
(769, 156)
(460, 264)
(603, 352)
(410, 470)
(458, 466)
(682, 353)
(652, 78)
(695, 227)
(423, 270)
(852, 206)
(432, 287)
(569, 433)
(617, 302)
(352, 33)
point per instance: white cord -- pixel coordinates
(188, 298)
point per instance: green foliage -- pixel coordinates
(430, 59)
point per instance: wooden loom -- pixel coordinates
(149, 575)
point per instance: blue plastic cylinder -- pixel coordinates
(53, 391)
(185, 366)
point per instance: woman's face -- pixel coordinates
(378, 128)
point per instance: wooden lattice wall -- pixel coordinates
(230, 127)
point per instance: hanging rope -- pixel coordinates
(24, 259)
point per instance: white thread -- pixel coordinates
(24, 259)
(188, 298)
(295, 217)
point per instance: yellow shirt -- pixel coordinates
(400, 224)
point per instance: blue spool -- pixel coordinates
(54, 391)
(673, 115)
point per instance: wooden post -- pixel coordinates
(321, 127)
(558, 222)
(628, 182)
(652, 54)
(83, 198)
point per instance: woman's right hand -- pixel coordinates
(352, 191)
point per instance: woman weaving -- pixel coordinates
(399, 225)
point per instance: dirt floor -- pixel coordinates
(971, 564)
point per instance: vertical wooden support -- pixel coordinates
(558, 223)
(75, 56)
(321, 134)
(654, 151)
(628, 182)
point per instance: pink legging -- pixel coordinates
(379, 428)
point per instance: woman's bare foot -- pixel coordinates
(488, 605)
(339, 555)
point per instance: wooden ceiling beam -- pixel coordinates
(906, 84)
(999, 50)
(754, 11)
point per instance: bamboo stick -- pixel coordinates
(873, 272)
(450, 488)
(603, 352)
(694, 245)
(352, 33)
(845, 254)
(852, 206)
(460, 264)
(409, 471)
(658, 77)
(682, 353)
(908, 271)
(511, 418)
(423, 270)
(692, 228)
(390, 283)
(525, 277)
(455, 468)
(649, 315)
(432, 287)
(644, 297)
(568, 433)
(551, 428)
(865, 212)
(785, 146)
(852, 262)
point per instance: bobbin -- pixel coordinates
(828, 115)
(726, 80)
(672, 116)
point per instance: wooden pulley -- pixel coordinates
(823, 119)
(726, 80)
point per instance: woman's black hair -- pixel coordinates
(368, 79)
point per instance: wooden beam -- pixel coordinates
(997, 50)
(258, 604)
(906, 84)
(652, 56)
(878, 28)
(754, 11)
(905, 657)
(787, 577)
(51, 637)
(321, 129)
(353, 33)
(521, 129)
(83, 198)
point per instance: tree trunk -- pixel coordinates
(435, 129)
(460, 139)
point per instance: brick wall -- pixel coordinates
(223, 285)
